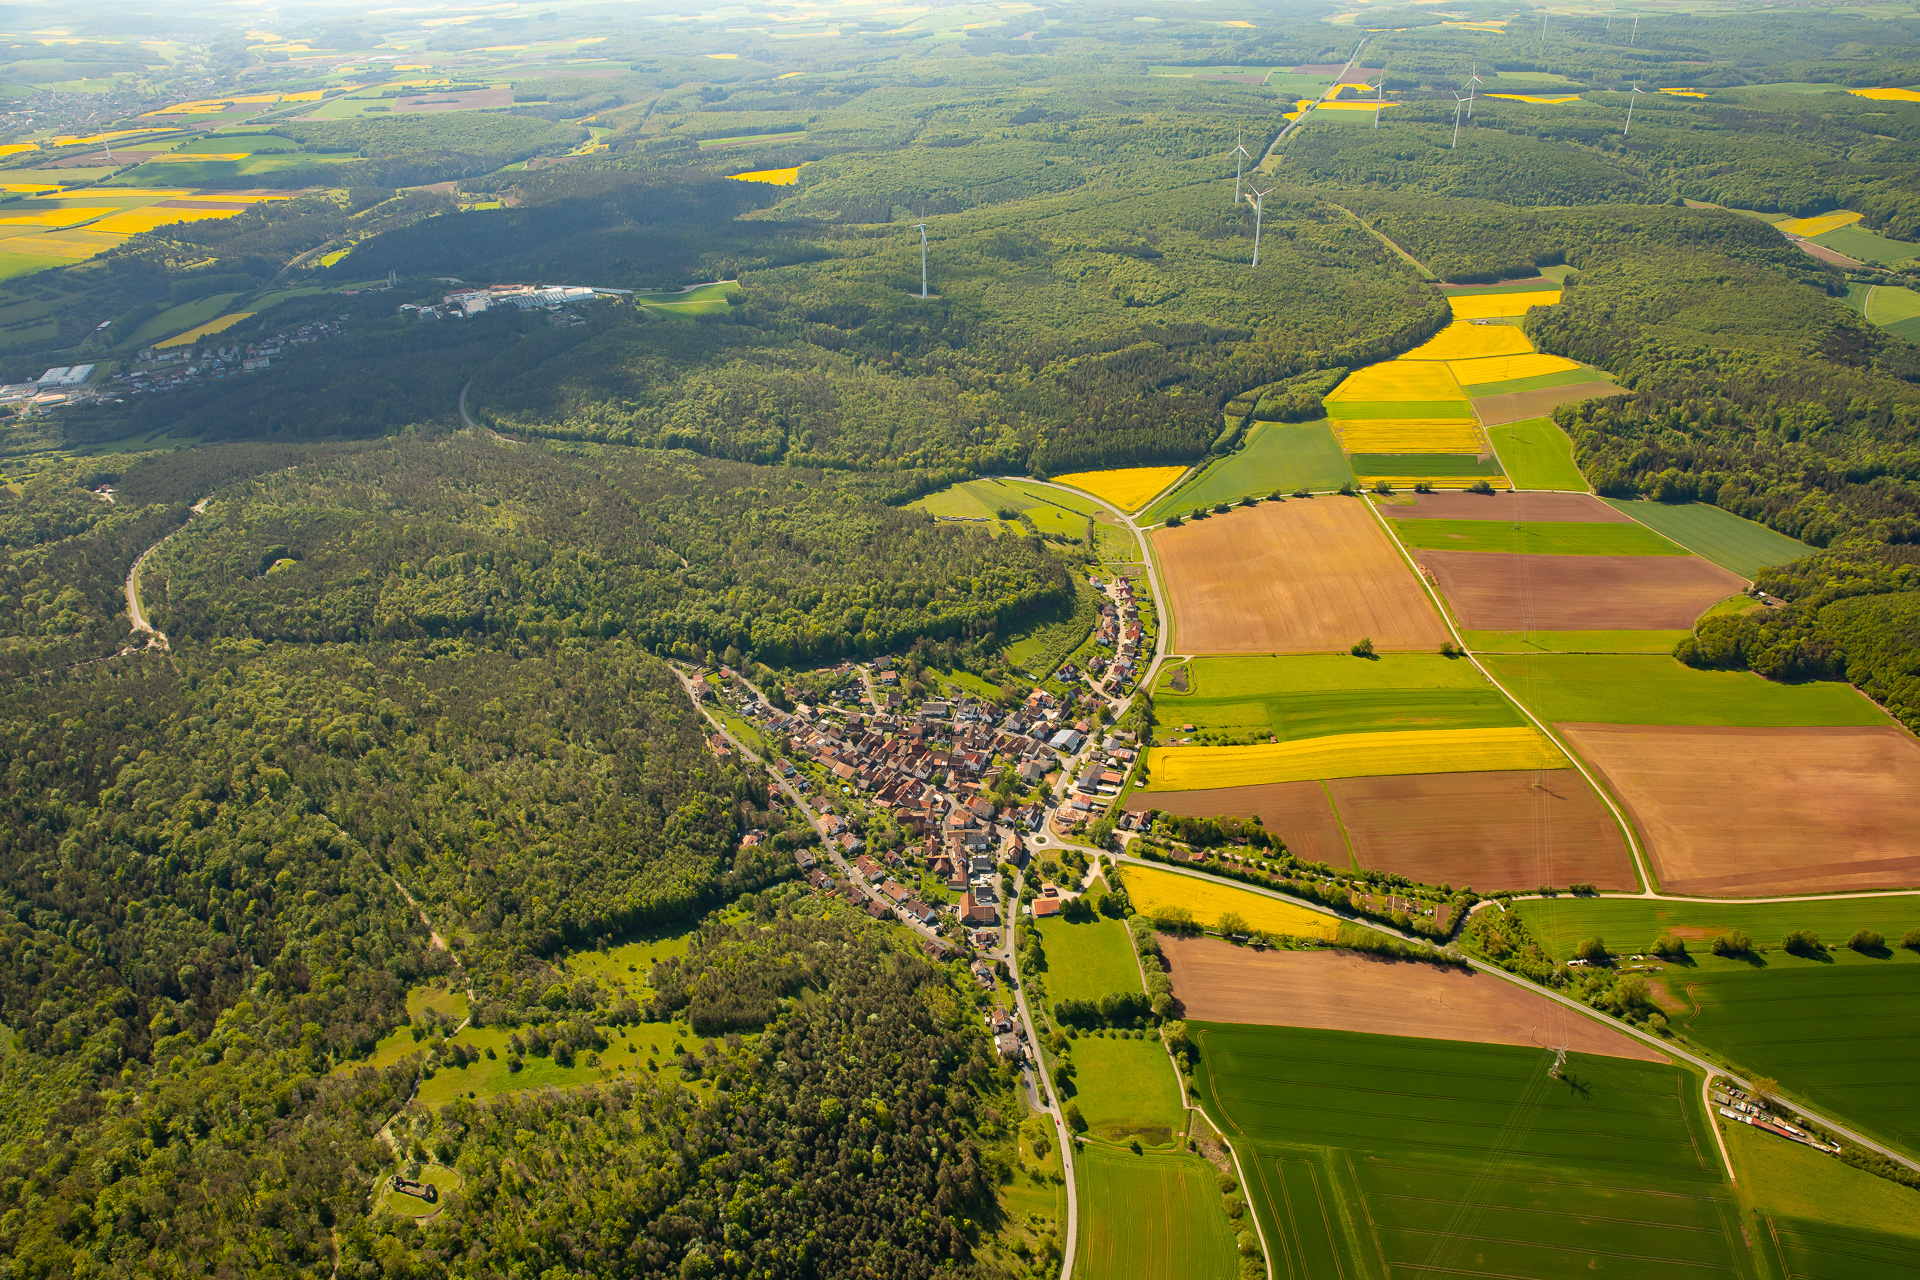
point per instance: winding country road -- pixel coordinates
(156, 639)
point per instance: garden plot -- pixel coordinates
(1299, 576)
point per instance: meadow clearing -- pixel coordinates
(1492, 591)
(1128, 489)
(1154, 890)
(1469, 1160)
(1738, 811)
(1291, 697)
(1510, 829)
(1718, 535)
(1164, 1220)
(1126, 1090)
(1536, 453)
(1087, 959)
(1311, 575)
(1353, 755)
(1216, 981)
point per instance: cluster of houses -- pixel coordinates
(165, 369)
(551, 298)
(1119, 630)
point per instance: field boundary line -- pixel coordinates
(1586, 1011)
(1649, 885)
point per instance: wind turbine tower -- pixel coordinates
(1473, 79)
(1631, 99)
(923, 255)
(1380, 98)
(1241, 156)
(1459, 105)
(1258, 200)
(1636, 29)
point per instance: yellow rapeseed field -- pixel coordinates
(132, 222)
(210, 327)
(1465, 340)
(1819, 226)
(1398, 380)
(1353, 755)
(54, 217)
(1888, 95)
(1538, 100)
(64, 244)
(1410, 435)
(1152, 889)
(1127, 489)
(777, 177)
(1506, 368)
(1492, 306)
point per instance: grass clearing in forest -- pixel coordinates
(1585, 538)
(1153, 891)
(1128, 489)
(1152, 1217)
(1636, 689)
(1537, 454)
(1353, 755)
(1716, 534)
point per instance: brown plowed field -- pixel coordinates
(1500, 591)
(1304, 576)
(1297, 812)
(1518, 406)
(1457, 504)
(1341, 991)
(1739, 812)
(1487, 830)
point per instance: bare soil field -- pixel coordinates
(1487, 830)
(1297, 812)
(1569, 508)
(1518, 406)
(1216, 981)
(1739, 812)
(1499, 591)
(1303, 576)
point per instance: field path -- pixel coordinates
(1647, 889)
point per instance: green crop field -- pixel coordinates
(1517, 286)
(1311, 695)
(1372, 409)
(1537, 454)
(1403, 1156)
(1152, 1217)
(1539, 382)
(1089, 959)
(1859, 243)
(1631, 924)
(1416, 465)
(1785, 1179)
(1574, 641)
(1558, 538)
(1281, 456)
(1816, 1251)
(1646, 689)
(1719, 536)
(179, 319)
(1126, 1088)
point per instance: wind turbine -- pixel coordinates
(1631, 99)
(1380, 99)
(1636, 29)
(1473, 78)
(1458, 103)
(923, 255)
(1241, 156)
(1258, 200)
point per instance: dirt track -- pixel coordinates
(1215, 981)
(1309, 575)
(1297, 812)
(1487, 830)
(1750, 812)
(1503, 591)
(1575, 508)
